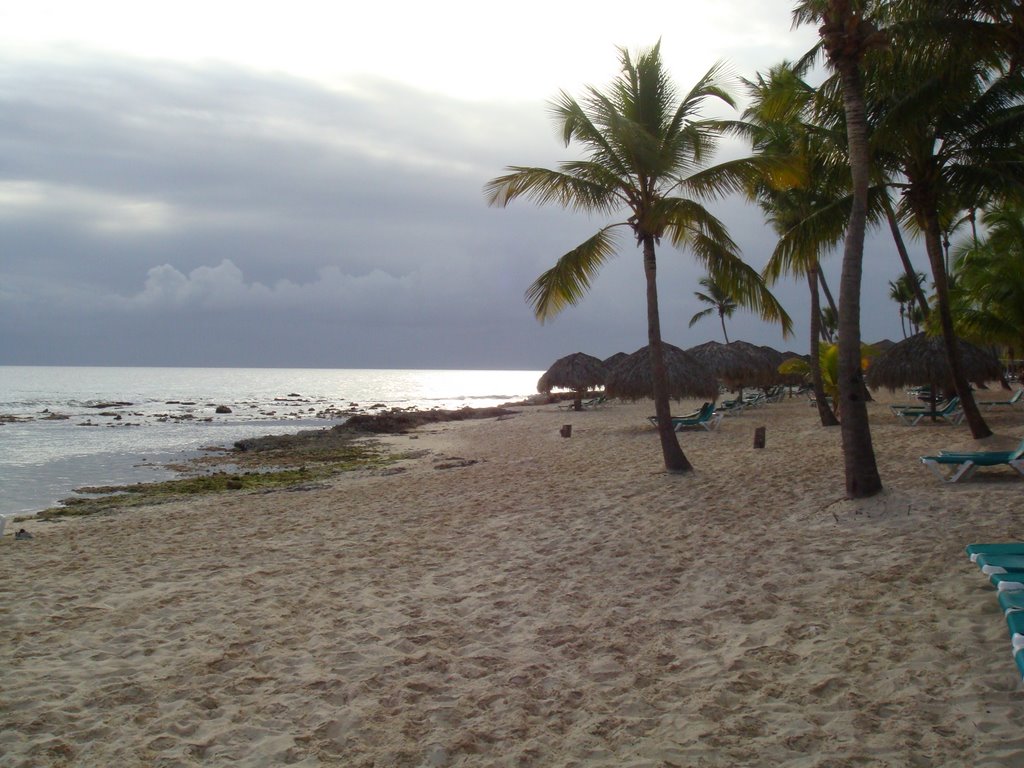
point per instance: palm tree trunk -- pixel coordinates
(933, 244)
(826, 334)
(862, 478)
(828, 418)
(675, 459)
(901, 248)
(827, 292)
(722, 318)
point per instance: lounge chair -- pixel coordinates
(1015, 623)
(1012, 402)
(951, 412)
(963, 465)
(1011, 581)
(1011, 602)
(996, 548)
(999, 563)
(706, 417)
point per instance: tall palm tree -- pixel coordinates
(898, 294)
(953, 129)
(721, 301)
(644, 147)
(805, 204)
(903, 291)
(847, 34)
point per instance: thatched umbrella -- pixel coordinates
(578, 372)
(687, 376)
(611, 362)
(737, 363)
(922, 359)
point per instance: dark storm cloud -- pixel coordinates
(173, 214)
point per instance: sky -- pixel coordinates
(301, 185)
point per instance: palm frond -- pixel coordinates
(743, 282)
(569, 280)
(543, 185)
(700, 316)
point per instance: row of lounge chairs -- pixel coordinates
(1003, 563)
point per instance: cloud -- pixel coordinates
(143, 202)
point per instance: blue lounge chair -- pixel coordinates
(911, 415)
(1011, 602)
(999, 563)
(706, 417)
(963, 465)
(1012, 402)
(1011, 581)
(996, 548)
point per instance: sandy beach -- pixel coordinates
(505, 596)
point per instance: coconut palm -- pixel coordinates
(721, 301)
(848, 32)
(807, 204)
(902, 290)
(953, 129)
(990, 275)
(644, 146)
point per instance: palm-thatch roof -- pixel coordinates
(921, 359)
(737, 363)
(578, 371)
(611, 362)
(631, 379)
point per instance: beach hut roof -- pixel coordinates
(921, 359)
(576, 371)
(737, 363)
(687, 377)
(611, 362)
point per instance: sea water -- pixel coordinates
(66, 427)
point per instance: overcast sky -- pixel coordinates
(270, 184)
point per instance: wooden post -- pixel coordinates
(566, 430)
(759, 437)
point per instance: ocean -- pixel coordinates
(62, 428)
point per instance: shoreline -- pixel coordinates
(539, 600)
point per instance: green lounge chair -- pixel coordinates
(994, 548)
(1012, 581)
(1015, 623)
(963, 465)
(912, 415)
(1012, 402)
(1011, 602)
(706, 417)
(1018, 657)
(999, 563)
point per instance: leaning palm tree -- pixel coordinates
(721, 301)
(847, 35)
(644, 150)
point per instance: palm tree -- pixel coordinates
(903, 291)
(721, 301)
(847, 34)
(953, 130)
(899, 295)
(643, 147)
(990, 276)
(804, 199)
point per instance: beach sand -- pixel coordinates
(515, 598)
